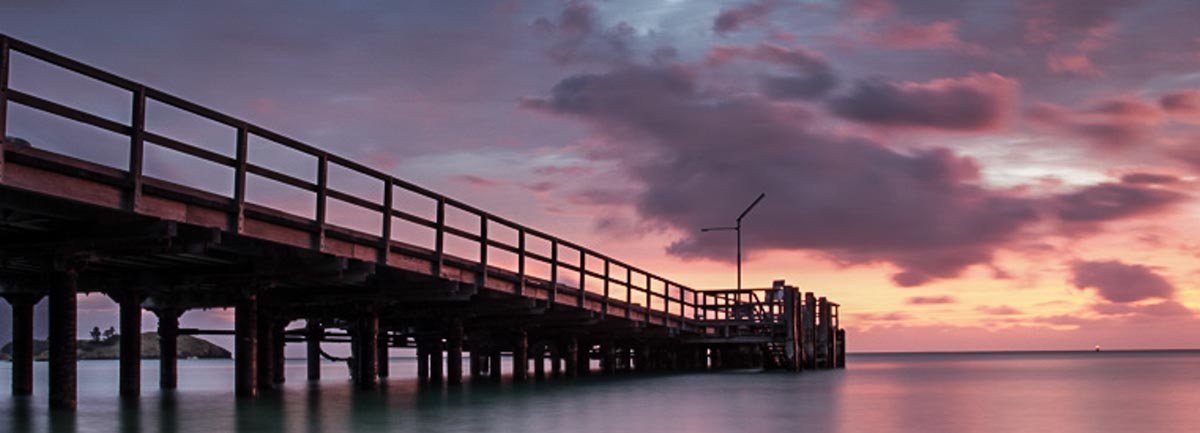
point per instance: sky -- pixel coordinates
(959, 175)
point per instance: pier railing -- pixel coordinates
(620, 281)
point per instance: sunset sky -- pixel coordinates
(959, 175)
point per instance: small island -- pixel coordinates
(109, 348)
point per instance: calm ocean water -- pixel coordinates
(1125, 392)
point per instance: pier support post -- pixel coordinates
(825, 334)
(608, 357)
(539, 360)
(841, 348)
(436, 364)
(454, 352)
(266, 354)
(245, 346)
(584, 362)
(22, 342)
(477, 361)
(131, 343)
(625, 359)
(571, 355)
(63, 380)
(809, 330)
(494, 365)
(555, 359)
(520, 356)
(367, 334)
(641, 358)
(278, 361)
(168, 348)
(383, 362)
(313, 342)
(422, 359)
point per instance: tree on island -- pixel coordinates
(95, 334)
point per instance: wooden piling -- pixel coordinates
(584, 362)
(130, 340)
(571, 356)
(313, 345)
(245, 346)
(539, 360)
(608, 357)
(454, 353)
(22, 342)
(809, 327)
(494, 364)
(168, 348)
(367, 357)
(520, 357)
(266, 350)
(63, 381)
(278, 360)
(422, 360)
(477, 361)
(383, 362)
(556, 359)
(824, 338)
(436, 364)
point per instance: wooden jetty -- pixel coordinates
(69, 225)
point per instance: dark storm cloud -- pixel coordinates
(973, 103)
(1119, 282)
(702, 155)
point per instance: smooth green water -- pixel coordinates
(1022, 392)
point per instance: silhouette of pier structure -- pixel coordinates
(70, 225)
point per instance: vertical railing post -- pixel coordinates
(649, 299)
(439, 239)
(385, 237)
(582, 276)
(238, 224)
(137, 144)
(322, 198)
(520, 289)
(483, 250)
(3, 93)
(553, 270)
(628, 292)
(604, 305)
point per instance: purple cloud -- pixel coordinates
(1119, 282)
(810, 74)
(1111, 201)
(700, 155)
(973, 103)
(729, 20)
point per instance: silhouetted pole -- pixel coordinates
(738, 229)
(22, 342)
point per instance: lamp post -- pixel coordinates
(738, 229)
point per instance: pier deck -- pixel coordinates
(70, 225)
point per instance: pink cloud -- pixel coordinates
(478, 181)
(1118, 282)
(1078, 65)
(1111, 124)
(931, 300)
(937, 34)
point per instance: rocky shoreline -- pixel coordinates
(189, 347)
